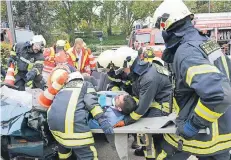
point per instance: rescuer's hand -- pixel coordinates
(106, 126)
(31, 75)
(119, 124)
(9, 61)
(187, 130)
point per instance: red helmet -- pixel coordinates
(61, 57)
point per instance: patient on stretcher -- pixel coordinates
(115, 105)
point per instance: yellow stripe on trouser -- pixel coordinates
(64, 155)
(70, 113)
(162, 155)
(200, 69)
(225, 65)
(74, 142)
(72, 135)
(206, 113)
(94, 152)
(164, 107)
(217, 142)
(152, 150)
(218, 146)
(135, 116)
(96, 110)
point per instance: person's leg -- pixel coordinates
(222, 156)
(20, 83)
(86, 153)
(64, 153)
(167, 152)
(134, 143)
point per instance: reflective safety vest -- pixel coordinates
(49, 63)
(88, 62)
(68, 115)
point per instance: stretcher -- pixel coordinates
(145, 128)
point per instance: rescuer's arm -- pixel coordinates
(91, 102)
(212, 87)
(147, 92)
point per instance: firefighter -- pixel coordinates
(60, 60)
(202, 87)
(29, 63)
(80, 58)
(151, 89)
(68, 119)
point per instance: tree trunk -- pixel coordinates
(109, 32)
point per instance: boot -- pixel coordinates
(139, 152)
(134, 143)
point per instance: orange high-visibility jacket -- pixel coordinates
(88, 62)
(49, 63)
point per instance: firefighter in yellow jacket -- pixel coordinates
(68, 119)
(202, 88)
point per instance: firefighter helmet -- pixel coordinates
(75, 75)
(170, 12)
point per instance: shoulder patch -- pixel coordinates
(161, 70)
(209, 47)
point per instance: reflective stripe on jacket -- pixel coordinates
(68, 115)
(203, 93)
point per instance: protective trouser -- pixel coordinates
(84, 153)
(167, 152)
(20, 80)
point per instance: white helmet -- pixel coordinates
(105, 58)
(158, 60)
(60, 43)
(169, 12)
(75, 75)
(38, 39)
(124, 58)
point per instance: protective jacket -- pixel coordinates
(26, 60)
(203, 91)
(119, 82)
(68, 115)
(87, 62)
(49, 63)
(151, 85)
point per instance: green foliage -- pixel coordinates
(110, 40)
(5, 52)
(3, 11)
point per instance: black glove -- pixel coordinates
(10, 60)
(106, 126)
(187, 130)
(31, 75)
(90, 99)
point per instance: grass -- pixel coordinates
(110, 40)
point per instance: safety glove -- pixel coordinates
(187, 130)
(119, 124)
(106, 126)
(31, 75)
(10, 60)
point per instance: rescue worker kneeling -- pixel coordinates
(68, 119)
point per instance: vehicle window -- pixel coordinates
(23, 35)
(143, 38)
(158, 38)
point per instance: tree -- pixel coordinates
(134, 10)
(3, 11)
(108, 13)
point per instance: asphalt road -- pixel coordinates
(105, 151)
